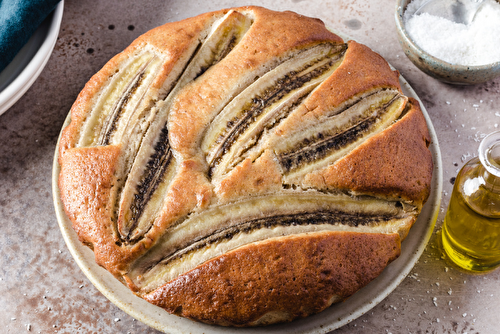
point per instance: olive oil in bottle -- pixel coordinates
(471, 228)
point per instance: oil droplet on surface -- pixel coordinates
(353, 24)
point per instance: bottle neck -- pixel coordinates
(489, 155)
(491, 182)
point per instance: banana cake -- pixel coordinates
(244, 167)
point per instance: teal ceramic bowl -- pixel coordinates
(437, 68)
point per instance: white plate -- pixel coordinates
(20, 74)
(328, 320)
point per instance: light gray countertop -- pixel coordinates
(42, 290)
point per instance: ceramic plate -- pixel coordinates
(328, 320)
(16, 78)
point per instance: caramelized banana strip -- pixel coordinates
(154, 157)
(225, 35)
(249, 140)
(93, 132)
(134, 107)
(155, 170)
(227, 227)
(321, 145)
(111, 121)
(294, 219)
(254, 102)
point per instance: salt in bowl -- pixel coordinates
(437, 68)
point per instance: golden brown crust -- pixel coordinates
(386, 164)
(251, 178)
(188, 191)
(361, 70)
(298, 275)
(86, 184)
(81, 197)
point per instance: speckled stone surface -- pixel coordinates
(42, 290)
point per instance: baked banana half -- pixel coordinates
(244, 167)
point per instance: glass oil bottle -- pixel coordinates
(471, 228)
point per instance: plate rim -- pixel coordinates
(322, 322)
(17, 87)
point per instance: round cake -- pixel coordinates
(244, 167)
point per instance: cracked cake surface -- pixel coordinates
(244, 167)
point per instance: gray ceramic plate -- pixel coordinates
(330, 319)
(16, 78)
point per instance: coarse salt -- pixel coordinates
(473, 44)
